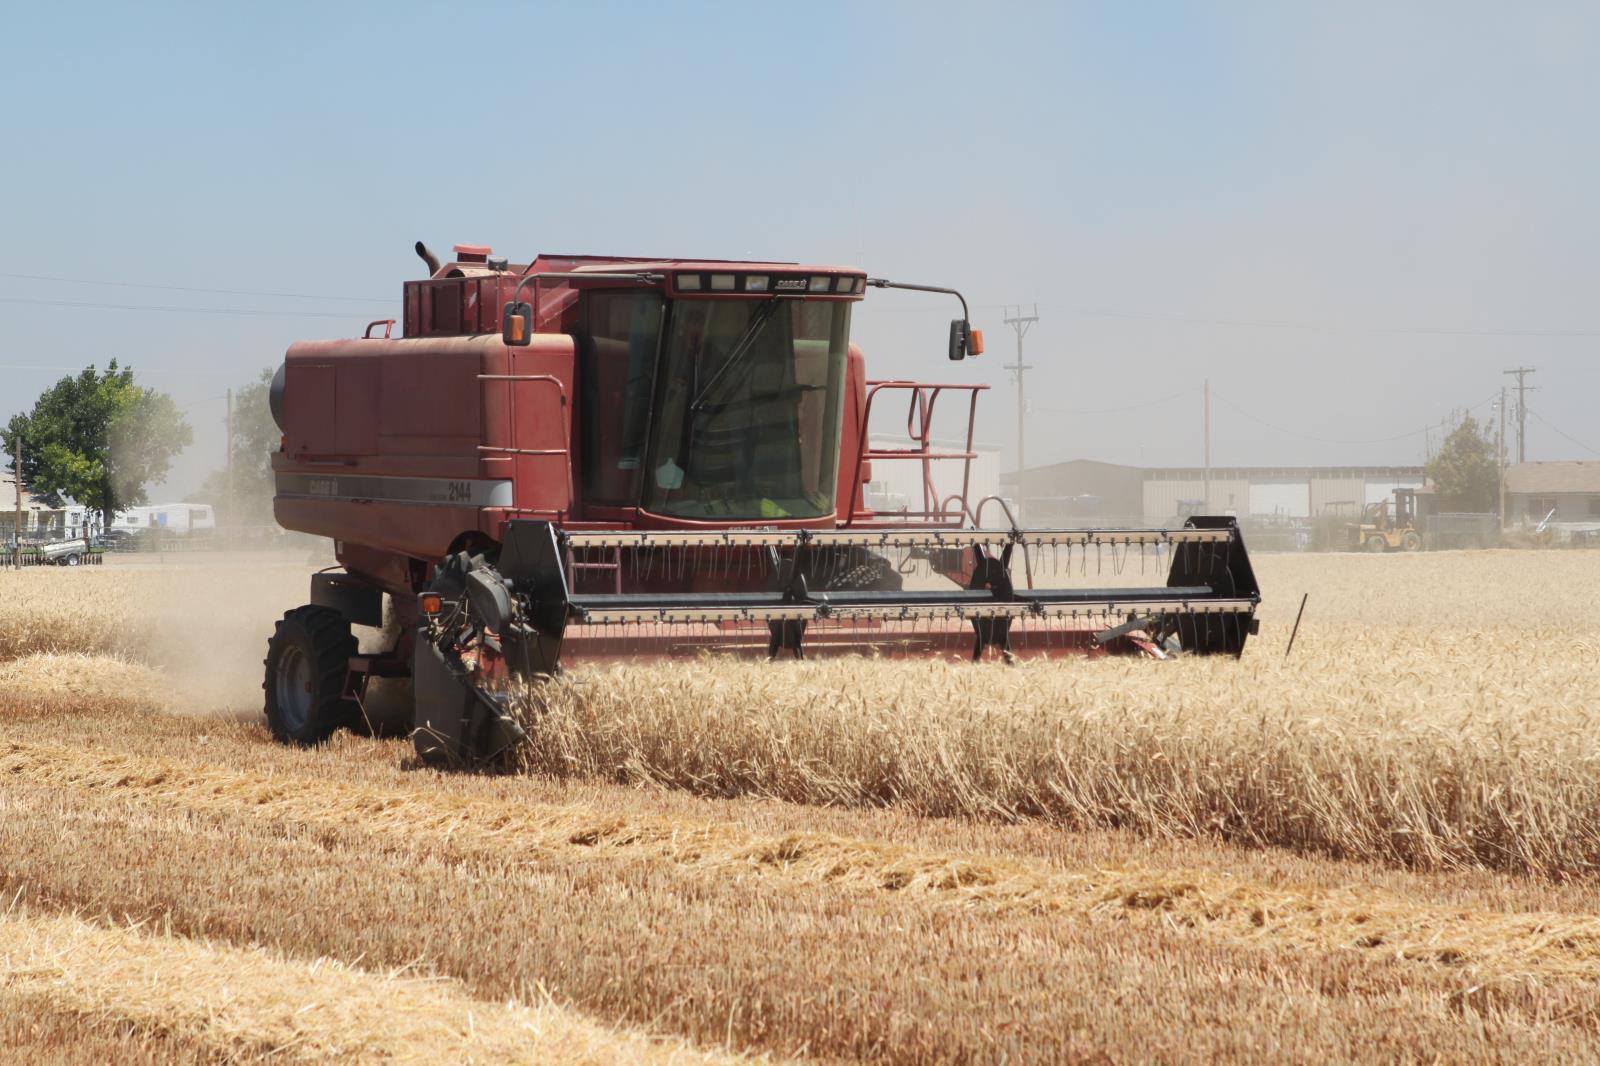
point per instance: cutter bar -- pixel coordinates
(895, 538)
(905, 612)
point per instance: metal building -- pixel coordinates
(1129, 495)
(1273, 492)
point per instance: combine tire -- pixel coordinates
(1376, 543)
(1411, 542)
(307, 659)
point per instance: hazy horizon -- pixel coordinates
(1350, 220)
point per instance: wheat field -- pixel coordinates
(1379, 848)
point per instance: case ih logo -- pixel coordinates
(789, 283)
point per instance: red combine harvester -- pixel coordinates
(596, 457)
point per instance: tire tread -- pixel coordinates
(324, 634)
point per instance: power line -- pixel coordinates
(1559, 432)
(253, 312)
(1495, 332)
(1321, 327)
(1117, 410)
(1334, 440)
(1165, 316)
(138, 370)
(185, 288)
(1154, 316)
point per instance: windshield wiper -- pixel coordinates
(762, 316)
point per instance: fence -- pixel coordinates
(36, 557)
(231, 538)
(1448, 531)
(165, 542)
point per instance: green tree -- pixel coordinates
(1464, 471)
(248, 499)
(100, 439)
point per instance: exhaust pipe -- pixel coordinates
(429, 258)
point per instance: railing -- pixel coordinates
(923, 399)
(513, 426)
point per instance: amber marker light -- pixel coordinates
(975, 342)
(430, 603)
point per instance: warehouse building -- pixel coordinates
(1086, 492)
(1274, 492)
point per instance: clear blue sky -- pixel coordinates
(1350, 217)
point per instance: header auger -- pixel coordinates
(603, 458)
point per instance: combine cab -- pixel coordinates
(584, 458)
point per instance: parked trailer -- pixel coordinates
(65, 553)
(173, 517)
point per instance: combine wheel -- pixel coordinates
(307, 660)
(1376, 543)
(1411, 542)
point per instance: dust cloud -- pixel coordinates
(209, 618)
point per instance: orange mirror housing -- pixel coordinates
(515, 325)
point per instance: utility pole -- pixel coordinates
(1208, 447)
(1020, 322)
(230, 459)
(16, 486)
(1500, 460)
(1522, 373)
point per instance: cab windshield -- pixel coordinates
(748, 395)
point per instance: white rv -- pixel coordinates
(174, 517)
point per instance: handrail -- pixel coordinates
(919, 428)
(977, 520)
(386, 323)
(512, 427)
(918, 401)
(977, 516)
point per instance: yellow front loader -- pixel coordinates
(1390, 525)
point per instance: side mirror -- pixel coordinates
(516, 325)
(964, 340)
(958, 339)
